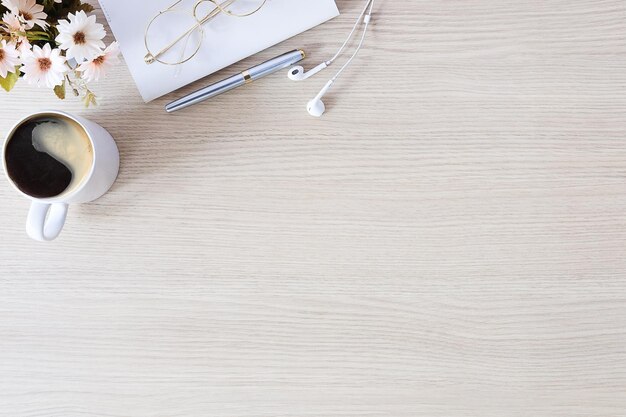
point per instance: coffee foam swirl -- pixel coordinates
(71, 147)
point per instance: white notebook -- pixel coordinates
(236, 39)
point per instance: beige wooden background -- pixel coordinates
(449, 240)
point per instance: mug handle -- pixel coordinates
(45, 221)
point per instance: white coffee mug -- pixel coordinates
(46, 216)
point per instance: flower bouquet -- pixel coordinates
(53, 44)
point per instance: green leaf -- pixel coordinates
(9, 81)
(39, 38)
(87, 8)
(48, 4)
(76, 5)
(59, 90)
(60, 10)
(90, 99)
(36, 32)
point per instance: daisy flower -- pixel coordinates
(14, 25)
(81, 36)
(23, 46)
(96, 68)
(29, 12)
(13, 22)
(44, 66)
(9, 58)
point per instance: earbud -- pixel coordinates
(316, 107)
(298, 74)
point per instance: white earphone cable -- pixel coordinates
(316, 106)
(370, 4)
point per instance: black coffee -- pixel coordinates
(48, 155)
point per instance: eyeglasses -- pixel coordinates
(168, 42)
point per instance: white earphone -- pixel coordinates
(298, 73)
(316, 106)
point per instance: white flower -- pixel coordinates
(44, 66)
(23, 45)
(9, 58)
(29, 12)
(96, 68)
(81, 36)
(13, 22)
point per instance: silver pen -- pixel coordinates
(268, 67)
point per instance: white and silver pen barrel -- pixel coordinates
(268, 67)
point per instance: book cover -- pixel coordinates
(226, 39)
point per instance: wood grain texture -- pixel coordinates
(449, 240)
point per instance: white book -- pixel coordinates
(226, 39)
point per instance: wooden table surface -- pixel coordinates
(449, 240)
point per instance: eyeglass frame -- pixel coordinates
(150, 58)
